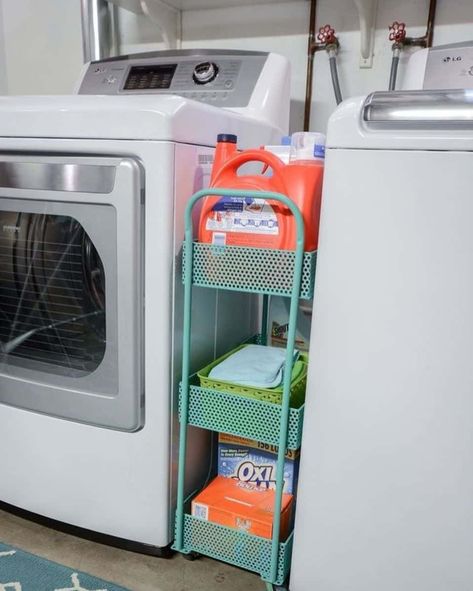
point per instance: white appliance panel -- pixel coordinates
(75, 472)
(444, 66)
(386, 486)
(63, 458)
(103, 479)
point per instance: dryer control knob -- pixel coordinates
(205, 72)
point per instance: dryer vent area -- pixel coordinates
(52, 294)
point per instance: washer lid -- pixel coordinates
(168, 118)
(450, 109)
(435, 119)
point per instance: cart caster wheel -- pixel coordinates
(192, 556)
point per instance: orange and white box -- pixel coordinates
(242, 506)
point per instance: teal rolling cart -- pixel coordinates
(268, 272)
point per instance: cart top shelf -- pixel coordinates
(254, 270)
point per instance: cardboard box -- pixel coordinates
(279, 323)
(242, 506)
(254, 462)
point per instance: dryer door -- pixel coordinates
(70, 288)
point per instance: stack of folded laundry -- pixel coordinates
(255, 366)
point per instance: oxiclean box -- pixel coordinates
(255, 462)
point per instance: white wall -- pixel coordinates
(43, 44)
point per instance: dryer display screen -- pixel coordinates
(150, 77)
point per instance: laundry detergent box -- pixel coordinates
(255, 462)
(242, 506)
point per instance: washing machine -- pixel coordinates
(92, 194)
(386, 480)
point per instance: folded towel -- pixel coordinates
(255, 366)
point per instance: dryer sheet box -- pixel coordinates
(255, 462)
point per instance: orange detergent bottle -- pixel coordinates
(249, 221)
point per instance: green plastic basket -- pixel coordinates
(274, 395)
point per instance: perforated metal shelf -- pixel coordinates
(235, 547)
(245, 417)
(255, 270)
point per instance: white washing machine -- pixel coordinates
(386, 480)
(92, 192)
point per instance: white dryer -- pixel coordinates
(386, 480)
(92, 192)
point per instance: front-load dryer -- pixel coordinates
(92, 192)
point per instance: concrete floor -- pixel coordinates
(134, 571)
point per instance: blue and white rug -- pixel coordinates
(21, 571)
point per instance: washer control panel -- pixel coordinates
(222, 78)
(205, 72)
(449, 66)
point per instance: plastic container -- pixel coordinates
(255, 222)
(307, 147)
(274, 395)
(282, 150)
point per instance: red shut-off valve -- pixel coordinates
(327, 35)
(397, 32)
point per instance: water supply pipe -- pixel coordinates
(334, 74)
(311, 44)
(398, 34)
(394, 67)
(328, 38)
(427, 39)
(325, 40)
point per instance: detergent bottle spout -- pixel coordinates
(226, 148)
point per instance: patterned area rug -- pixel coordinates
(21, 571)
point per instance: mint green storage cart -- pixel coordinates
(255, 270)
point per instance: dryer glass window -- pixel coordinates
(52, 295)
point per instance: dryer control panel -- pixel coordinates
(223, 78)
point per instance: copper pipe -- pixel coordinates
(431, 23)
(427, 39)
(310, 64)
(312, 47)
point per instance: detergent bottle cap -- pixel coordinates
(286, 140)
(307, 145)
(319, 151)
(230, 138)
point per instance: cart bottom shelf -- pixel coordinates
(236, 547)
